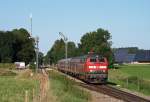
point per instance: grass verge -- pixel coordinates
(65, 89)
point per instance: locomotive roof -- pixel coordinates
(68, 59)
(80, 57)
(85, 56)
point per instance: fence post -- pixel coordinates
(138, 80)
(127, 82)
(33, 95)
(26, 96)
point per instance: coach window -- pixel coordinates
(82, 60)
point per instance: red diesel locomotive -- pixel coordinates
(91, 68)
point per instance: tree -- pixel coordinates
(57, 51)
(16, 45)
(6, 46)
(97, 41)
(24, 46)
(72, 49)
(41, 57)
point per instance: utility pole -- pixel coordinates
(65, 40)
(36, 45)
(31, 23)
(37, 52)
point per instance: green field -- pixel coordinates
(13, 90)
(66, 90)
(134, 77)
(13, 86)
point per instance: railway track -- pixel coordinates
(42, 70)
(44, 85)
(114, 92)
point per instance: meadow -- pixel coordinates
(13, 90)
(16, 87)
(134, 77)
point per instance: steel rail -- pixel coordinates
(114, 92)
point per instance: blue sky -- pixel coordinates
(128, 21)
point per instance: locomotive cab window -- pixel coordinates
(92, 60)
(101, 59)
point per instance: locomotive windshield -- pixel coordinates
(101, 59)
(97, 59)
(93, 60)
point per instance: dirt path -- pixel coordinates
(44, 86)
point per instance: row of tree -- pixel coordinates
(16, 45)
(98, 41)
(57, 51)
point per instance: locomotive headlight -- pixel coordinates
(94, 67)
(102, 67)
(90, 66)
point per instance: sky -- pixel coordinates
(128, 21)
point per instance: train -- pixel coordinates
(91, 68)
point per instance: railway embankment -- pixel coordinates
(67, 89)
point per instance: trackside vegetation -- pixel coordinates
(66, 90)
(132, 77)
